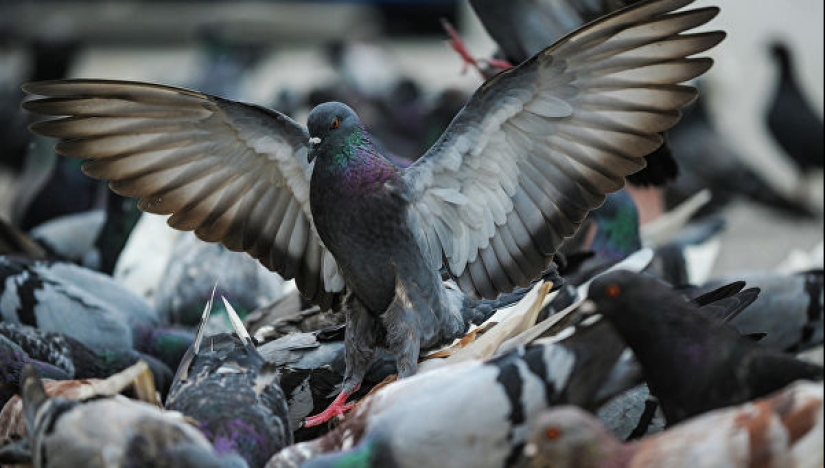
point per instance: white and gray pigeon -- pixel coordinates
(513, 175)
(790, 308)
(474, 413)
(62, 297)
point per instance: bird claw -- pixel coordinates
(335, 409)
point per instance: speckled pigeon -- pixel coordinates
(691, 363)
(784, 429)
(77, 360)
(106, 432)
(225, 385)
(513, 175)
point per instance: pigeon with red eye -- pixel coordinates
(533, 151)
(691, 363)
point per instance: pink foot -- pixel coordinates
(458, 45)
(336, 408)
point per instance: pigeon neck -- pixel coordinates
(355, 148)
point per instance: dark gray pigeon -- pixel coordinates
(692, 363)
(792, 119)
(514, 174)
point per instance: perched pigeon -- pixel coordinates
(709, 160)
(110, 432)
(470, 414)
(692, 363)
(792, 120)
(226, 386)
(530, 154)
(784, 429)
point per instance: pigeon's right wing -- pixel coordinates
(538, 146)
(233, 173)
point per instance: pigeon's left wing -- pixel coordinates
(231, 172)
(538, 146)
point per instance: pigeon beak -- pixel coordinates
(588, 307)
(313, 143)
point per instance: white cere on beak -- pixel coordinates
(314, 141)
(588, 307)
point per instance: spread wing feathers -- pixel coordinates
(231, 172)
(540, 145)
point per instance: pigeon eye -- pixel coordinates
(335, 123)
(613, 291)
(553, 433)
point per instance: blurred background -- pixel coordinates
(390, 60)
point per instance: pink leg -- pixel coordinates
(491, 66)
(458, 45)
(336, 408)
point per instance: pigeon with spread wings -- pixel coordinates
(514, 174)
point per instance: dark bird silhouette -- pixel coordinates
(692, 363)
(793, 123)
(708, 160)
(513, 175)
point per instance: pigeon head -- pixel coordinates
(568, 436)
(620, 294)
(331, 128)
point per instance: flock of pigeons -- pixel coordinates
(489, 303)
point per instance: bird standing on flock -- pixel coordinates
(514, 174)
